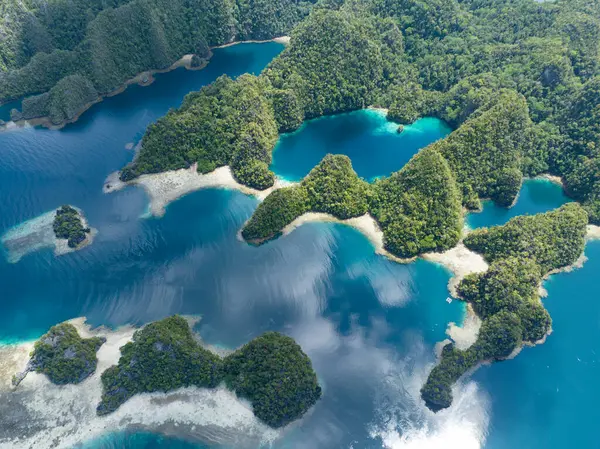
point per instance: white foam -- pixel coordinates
(405, 423)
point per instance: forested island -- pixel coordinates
(69, 225)
(506, 297)
(63, 356)
(271, 371)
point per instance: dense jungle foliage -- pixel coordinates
(506, 297)
(65, 357)
(111, 41)
(163, 356)
(522, 98)
(67, 225)
(553, 240)
(271, 371)
(331, 187)
(419, 207)
(226, 123)
(276, 376)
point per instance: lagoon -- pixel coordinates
(366, 136)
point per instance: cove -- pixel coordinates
(366, 136)
(536, 196)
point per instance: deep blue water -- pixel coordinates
(368, 324)
(372, 142)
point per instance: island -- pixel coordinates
(65, 230)
(534, 116)
(518, 82)
(69, 225)
(271, 371)
(63, 356)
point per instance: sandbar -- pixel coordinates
(166, 187)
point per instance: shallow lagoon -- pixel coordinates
(368, 324)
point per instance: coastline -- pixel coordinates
(143, 79)
(166, 187)
(201, 415)
(460, 260)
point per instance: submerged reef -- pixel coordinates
(271, 371)
(63, 356)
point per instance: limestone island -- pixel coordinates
(160, 377)
(537, 115)
(63, 356)
(507, 296)
(65, 229)
(271, 371)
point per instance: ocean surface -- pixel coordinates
(369, 325)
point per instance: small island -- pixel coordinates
(271, 371)
(69, 225)
(65, 230)
(276, 376)
(63, 356)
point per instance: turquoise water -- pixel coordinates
(368, 324)
(6, 108)
(536, 196)
(367, 137)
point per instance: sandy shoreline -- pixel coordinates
(164, 188)
(460, 261)
(43, 415)
(145, 78)
(593, 232)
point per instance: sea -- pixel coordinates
(368, 324)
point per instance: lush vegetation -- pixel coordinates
(553, 240)
(271, 371)
(226, 123)
(331, 187)
(65, 357)
(419, 207)
(276, 376)
(67, 225)
(506, 296)
(163, 356)
(108, 42)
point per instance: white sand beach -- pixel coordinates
(164, 188)
(42, 415)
